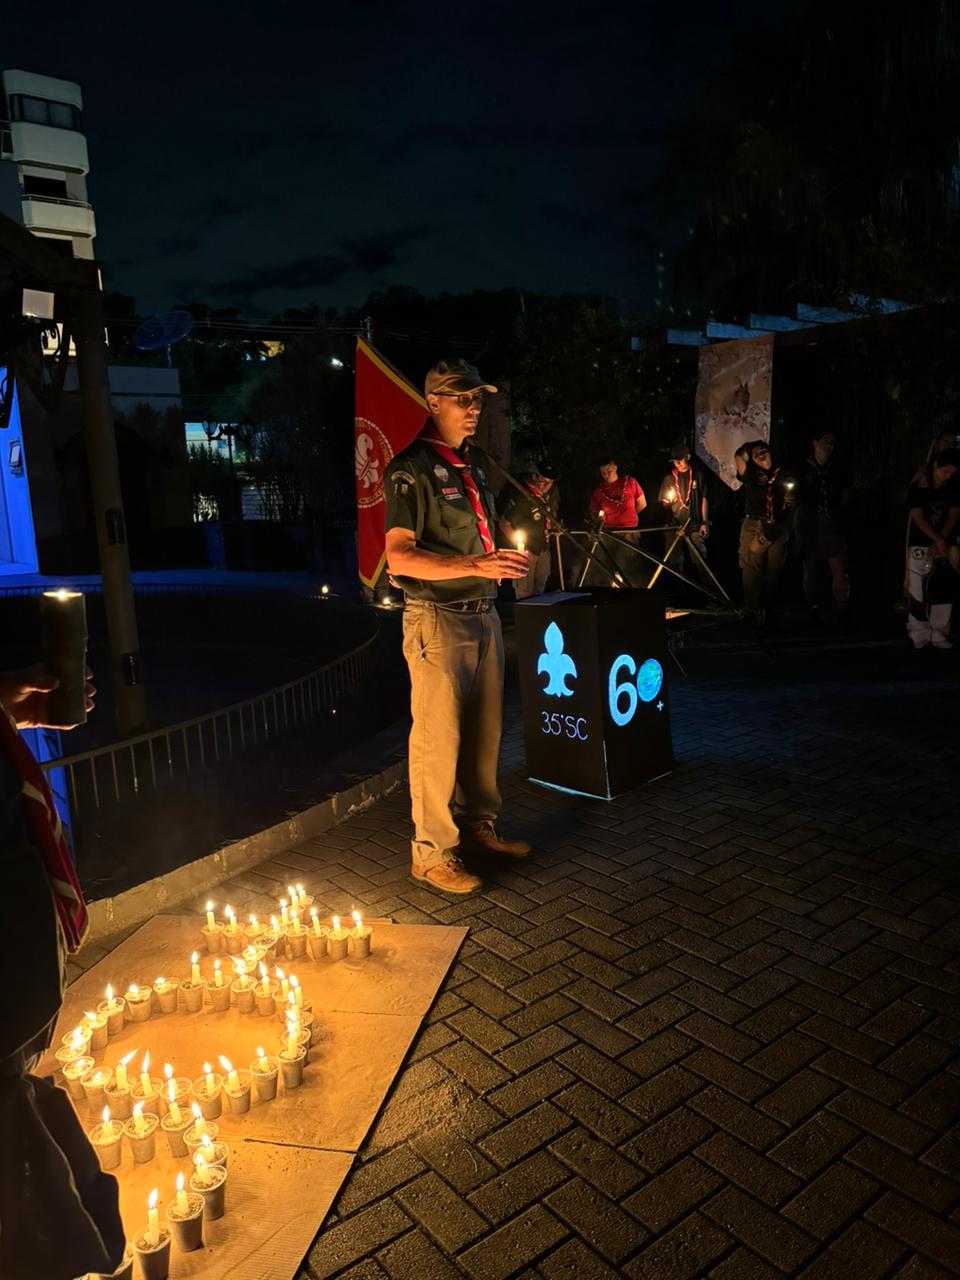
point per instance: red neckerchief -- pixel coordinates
(768, 496)
(541, 497)
(608, 497)
(46, 835)
(684, 502)
(461, 464)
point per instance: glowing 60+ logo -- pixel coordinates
(628, 685)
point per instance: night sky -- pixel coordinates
(282, 155)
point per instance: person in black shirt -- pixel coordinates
(684, 502)
(764, 531)
(523, 518)
(822, 483)
(933, 557)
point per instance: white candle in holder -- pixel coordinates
(211, 918)
(120, 1076)
(153, 1219)
(233, 1079)
(195, 969)
(145, 1084)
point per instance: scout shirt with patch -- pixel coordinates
(425, 495)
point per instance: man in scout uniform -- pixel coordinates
(530, 516)
(440, 525)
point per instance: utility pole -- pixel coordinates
(75, 284)
(86, 311)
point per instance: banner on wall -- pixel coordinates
(389, 412)
(732, 404)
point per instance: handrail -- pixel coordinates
(136, 764)
(238, 707)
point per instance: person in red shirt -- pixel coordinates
(620, 498)
(618, 501)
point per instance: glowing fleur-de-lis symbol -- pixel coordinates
(558, 665)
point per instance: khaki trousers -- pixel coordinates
(456, 701)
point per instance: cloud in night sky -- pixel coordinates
(266, 157)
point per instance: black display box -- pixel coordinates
(594, 690)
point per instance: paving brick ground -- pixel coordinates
(709, 1029)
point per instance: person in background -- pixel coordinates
(59, 1214)
(822, 484)
(764, 530)
(941, 441)
(684, 502)
(617, 502)
(933, 558)
(530, 516)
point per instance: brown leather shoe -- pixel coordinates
(450, 876)
(484, 839)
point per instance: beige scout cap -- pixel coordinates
(452, 377)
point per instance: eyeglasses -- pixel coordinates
(465, 399)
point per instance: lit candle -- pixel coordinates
(120, 1078)
(211, 919)
(335, 922)
(207, 1152)
(670, 495)
(254, 924)
(296, 992)
(233, 1079)
(208, 1078)
(172, 1105)
(284, 984)
(195, 969)
(133, 990)
(601, 513)
(283, 911)
(301, 895)
(274, 924)
(203, 1173)
(521, 541)
(217, 975)
(292, 1037)
(153, 1219)
(183, 1205)
(263, 1063)
(239, 969)
(199, 1124)
(264, 980)
(295, 921)
(293, 895)
(138, 1124)
(145, 1084)
(109, 1129)
(316, 921)
(231, 918)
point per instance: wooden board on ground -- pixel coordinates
(289, 1157)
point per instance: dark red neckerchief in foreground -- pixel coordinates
(46, 835)
(460, 464)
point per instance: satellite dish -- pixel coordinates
(162, 331)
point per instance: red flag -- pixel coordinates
(389, 412)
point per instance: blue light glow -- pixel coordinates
(18, 545)
(559, 666)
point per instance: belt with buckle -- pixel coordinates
(466, 606)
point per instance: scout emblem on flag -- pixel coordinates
(389, 414)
